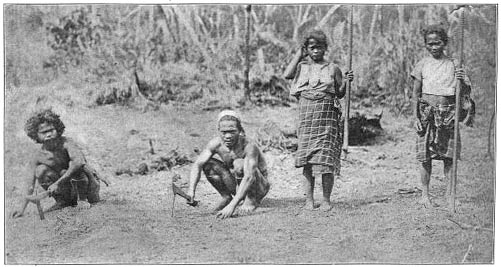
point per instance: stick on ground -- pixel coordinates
(40, 210)
(467, 253)
(465, 226)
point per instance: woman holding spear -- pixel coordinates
(438, 83)
(348, 92)
(318, 84)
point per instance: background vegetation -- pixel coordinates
(196, 53)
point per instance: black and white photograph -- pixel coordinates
(249, 133)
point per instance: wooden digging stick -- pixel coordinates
(173, 203)
(348, 91)
(36, 199)
(40, 210)
(453, 179)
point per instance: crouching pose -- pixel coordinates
(239, 173)
(59, 166)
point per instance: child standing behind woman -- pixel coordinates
(434, 110)
(318, 85)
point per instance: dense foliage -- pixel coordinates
(182, 53)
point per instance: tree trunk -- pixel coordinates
(301, 19)
(191, 32)
(236, 26)
(402, 46)
(165, 26)
(373, 24)
(247, 52)
(381, 21)
(260, 60)
(327, 16)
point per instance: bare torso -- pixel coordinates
(57, 160)
(58, 157)
(240, 151)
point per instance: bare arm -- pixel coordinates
(77, 161)
(338, 76)
(290, 71)
(196, 168)
(250, 167)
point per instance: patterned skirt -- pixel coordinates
(320, 136)
(436, 140)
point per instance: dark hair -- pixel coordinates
(231, 118)
(437, 29)
(317, 35)
(43, 116)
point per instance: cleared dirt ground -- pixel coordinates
(370, 223)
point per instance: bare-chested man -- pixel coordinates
(241, 171)
(59, 166)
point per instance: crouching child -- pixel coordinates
(59, 166)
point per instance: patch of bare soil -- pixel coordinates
(376, 218)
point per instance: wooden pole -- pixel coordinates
(39, 207)
(489, 141)
(247, 52)
(348, 90)
(453, 179)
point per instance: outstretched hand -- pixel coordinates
(17, 214)
(225, 213)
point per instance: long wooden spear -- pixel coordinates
(348, 91)
(453, 179)
(247, 51)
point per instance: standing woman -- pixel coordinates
(318, 85)
(434, 89)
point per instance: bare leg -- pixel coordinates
(256, 193)
(223, 203)
(327, 183)
(250, 204)
(222, 180)
(309, 187)
(425, 184)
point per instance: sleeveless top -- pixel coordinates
(316, 81)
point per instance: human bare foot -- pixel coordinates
(223, 203)
(310, 205)
(83, 205)
(427, 203)
(248, 207)
(326, 206)
(17, 214)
